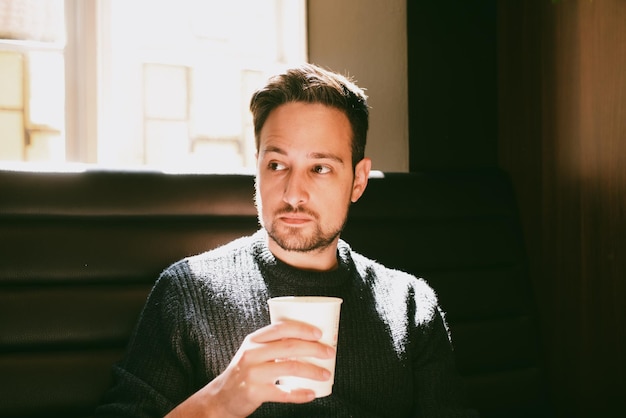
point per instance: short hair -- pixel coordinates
(310, 83)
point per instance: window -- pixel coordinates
(162, 84)
(31, 80)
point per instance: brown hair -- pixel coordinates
(310, 83)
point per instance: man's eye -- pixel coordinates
(321, 169)
(276, 166)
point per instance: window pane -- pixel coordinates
(165, 92)
(12, 130)
(45, 146)
(162, 83)
(32, 20)
(32, 73)
(46, 97)
(181, 76)
(11, 80)
(166, 143)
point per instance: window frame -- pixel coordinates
(82, 78)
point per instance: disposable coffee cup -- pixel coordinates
(321, 312)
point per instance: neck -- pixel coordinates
(324, 259)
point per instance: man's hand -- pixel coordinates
(250, 379)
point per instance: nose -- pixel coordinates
(296, 190)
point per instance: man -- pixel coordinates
(204, 346)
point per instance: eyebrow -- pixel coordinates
(312, 155)
(272, 148)
(326, 156)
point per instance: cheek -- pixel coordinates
(337, 202)
(267, 196)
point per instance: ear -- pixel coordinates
(361, 175)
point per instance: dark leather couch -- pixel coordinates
(79, 252)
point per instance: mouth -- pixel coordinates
(291, 217)
(294, 220)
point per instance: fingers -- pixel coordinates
(292, 367)
(286, 329)
(271, 360)
(293, 348)
(270, 372)
(247, 383)
(284, 340)
(275, 393)
(265, 356)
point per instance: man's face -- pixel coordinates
(305, 180)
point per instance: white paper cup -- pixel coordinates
(321, 312)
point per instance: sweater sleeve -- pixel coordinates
(152, 378)
(439, 392)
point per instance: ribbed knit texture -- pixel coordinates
(394, 357)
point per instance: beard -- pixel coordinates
(295, 238)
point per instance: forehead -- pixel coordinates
(307, 125)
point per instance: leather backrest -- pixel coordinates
(80, 251)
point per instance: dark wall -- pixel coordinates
(452, 84)
(538, 88)
(562, 137)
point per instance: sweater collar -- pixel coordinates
(283, 276)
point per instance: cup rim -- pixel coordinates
(305, 299)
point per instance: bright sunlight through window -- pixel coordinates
(158, 84)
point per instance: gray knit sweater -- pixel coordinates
(394, 357)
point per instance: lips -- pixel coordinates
(294, 219)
